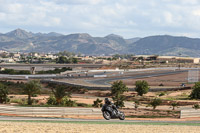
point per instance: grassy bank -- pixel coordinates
(108, 122)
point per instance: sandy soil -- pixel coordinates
(20, 127)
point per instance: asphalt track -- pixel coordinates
(105, 81)
(96, 121)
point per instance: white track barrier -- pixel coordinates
(47, 111)
(190, 113)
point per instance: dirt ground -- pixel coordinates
(26, 127)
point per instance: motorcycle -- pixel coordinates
(112, 113)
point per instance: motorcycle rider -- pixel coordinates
(110, 111)
(109, 103)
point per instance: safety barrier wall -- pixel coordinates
(47, 111)
(190, 113)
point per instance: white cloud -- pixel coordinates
(196, 12)
(101, 17)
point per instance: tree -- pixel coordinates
(74, 60)
(155, 102)
(174, 105)
(195, 94)
(61, 59)
(3, 93)
(117, 90)
(60, 92)
(142, 87)
(136, 105)
(31, 88)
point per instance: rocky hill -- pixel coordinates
(23, 41)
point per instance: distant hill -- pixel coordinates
(19, 33)
(23, 41)
(166, 45)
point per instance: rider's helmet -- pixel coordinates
(107, 101)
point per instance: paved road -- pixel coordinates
(105, 81)
(9, 118)
(45, 67)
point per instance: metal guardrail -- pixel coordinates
(190, 113)
(47, 111)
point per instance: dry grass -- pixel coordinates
(29, 127)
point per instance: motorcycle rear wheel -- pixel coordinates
(106, 115)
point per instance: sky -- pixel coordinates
(128, 18)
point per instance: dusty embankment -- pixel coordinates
(33, 127)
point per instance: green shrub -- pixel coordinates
(136, 104)
(55, 71)
(3, 93)
(15, 100)
(65, 101)
(195, 91)
(174, 104)
(34, 95)
(84, 105)
(35, 101)
(155, 102)
(51, 100)
(161, 94)
(141, 87)
(196, 106)
(12, 71)
(71, 103)
(22, 101)
(97, 103)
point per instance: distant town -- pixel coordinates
(72, 58)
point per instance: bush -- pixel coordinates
(155, 102)
(68, 102)
(51, 100)
(136, 105)
(71, 103)
(65, 101)
(34, 95)
(141, 87)
(196, 106)
(55, 71)
(174, 104)
(97, 103)
(84, 105)
(12, 71)
(3, 94)
(161, 84)
(22, 101)
(161, 94)
(195, 91)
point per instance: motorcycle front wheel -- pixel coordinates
(122, 116)
(106, 115)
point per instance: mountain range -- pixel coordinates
(20, 40)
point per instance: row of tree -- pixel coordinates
(32, 88)
(61, 93)
(142, 87)
(67, 60)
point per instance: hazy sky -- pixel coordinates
(128, 18)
